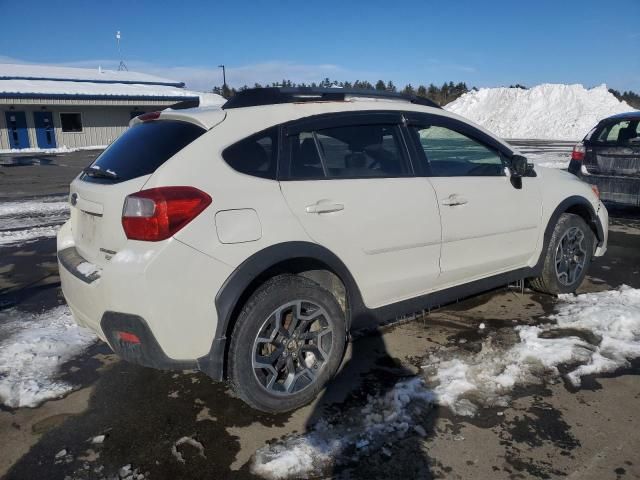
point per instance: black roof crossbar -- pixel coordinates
(254, 97)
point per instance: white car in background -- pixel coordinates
(247, 241)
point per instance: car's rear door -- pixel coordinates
(489, 225)
(349, 181)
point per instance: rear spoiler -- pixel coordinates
(185, 104)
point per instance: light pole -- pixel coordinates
(224, 77)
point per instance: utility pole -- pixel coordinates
(224, 77)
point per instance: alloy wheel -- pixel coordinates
(571, 256)
(292, 346)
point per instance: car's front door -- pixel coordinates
(350, 183)
(489, 225)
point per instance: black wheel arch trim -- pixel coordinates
(566, 204)
(256, 265)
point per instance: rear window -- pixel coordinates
(619, 133)
(142, 149)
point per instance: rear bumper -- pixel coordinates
(616, 189)
(161, 292)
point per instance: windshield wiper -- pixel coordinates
(97, 172)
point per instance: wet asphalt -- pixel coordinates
(551, 430)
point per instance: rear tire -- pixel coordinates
(287, 344)
(567, 258)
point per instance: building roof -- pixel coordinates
(51, 82)
(10, 71)
(88, 90)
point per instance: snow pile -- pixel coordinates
(32, 349)
(591, 333)
(382, 420)
(547, 111)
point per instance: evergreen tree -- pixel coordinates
(408, 90)
(380, 85)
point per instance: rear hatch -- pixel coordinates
(97, 196)
(614, 149)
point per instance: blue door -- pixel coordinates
(45, 134)
(17, 129)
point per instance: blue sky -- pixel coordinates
(484, 43)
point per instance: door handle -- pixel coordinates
(324, 208)
(453, 200)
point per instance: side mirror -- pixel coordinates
(519, 166)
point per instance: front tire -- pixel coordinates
(567, 258)
(287, 344)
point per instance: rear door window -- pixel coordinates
(142, 149)
(350, 151)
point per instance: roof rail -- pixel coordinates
(253, 97)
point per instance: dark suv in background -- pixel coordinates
(609, 157)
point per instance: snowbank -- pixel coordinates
(589, 334)
(547, 111)
(32, 349)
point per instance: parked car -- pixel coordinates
(609, 158)
(248, 241)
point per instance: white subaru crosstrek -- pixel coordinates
(247, 241)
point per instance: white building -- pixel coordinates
(45, 107)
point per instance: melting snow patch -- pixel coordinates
(87, 269)
(189, 441)
(26, 221)
(17, 237)
(32, 348)
(383, 419)
(592, 333)
(31, 207)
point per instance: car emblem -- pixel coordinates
(74, 199)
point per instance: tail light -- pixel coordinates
(158, 213)
(578, 152)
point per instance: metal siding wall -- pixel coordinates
(102, 124)
(4, 135)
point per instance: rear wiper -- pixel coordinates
(97, 172)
